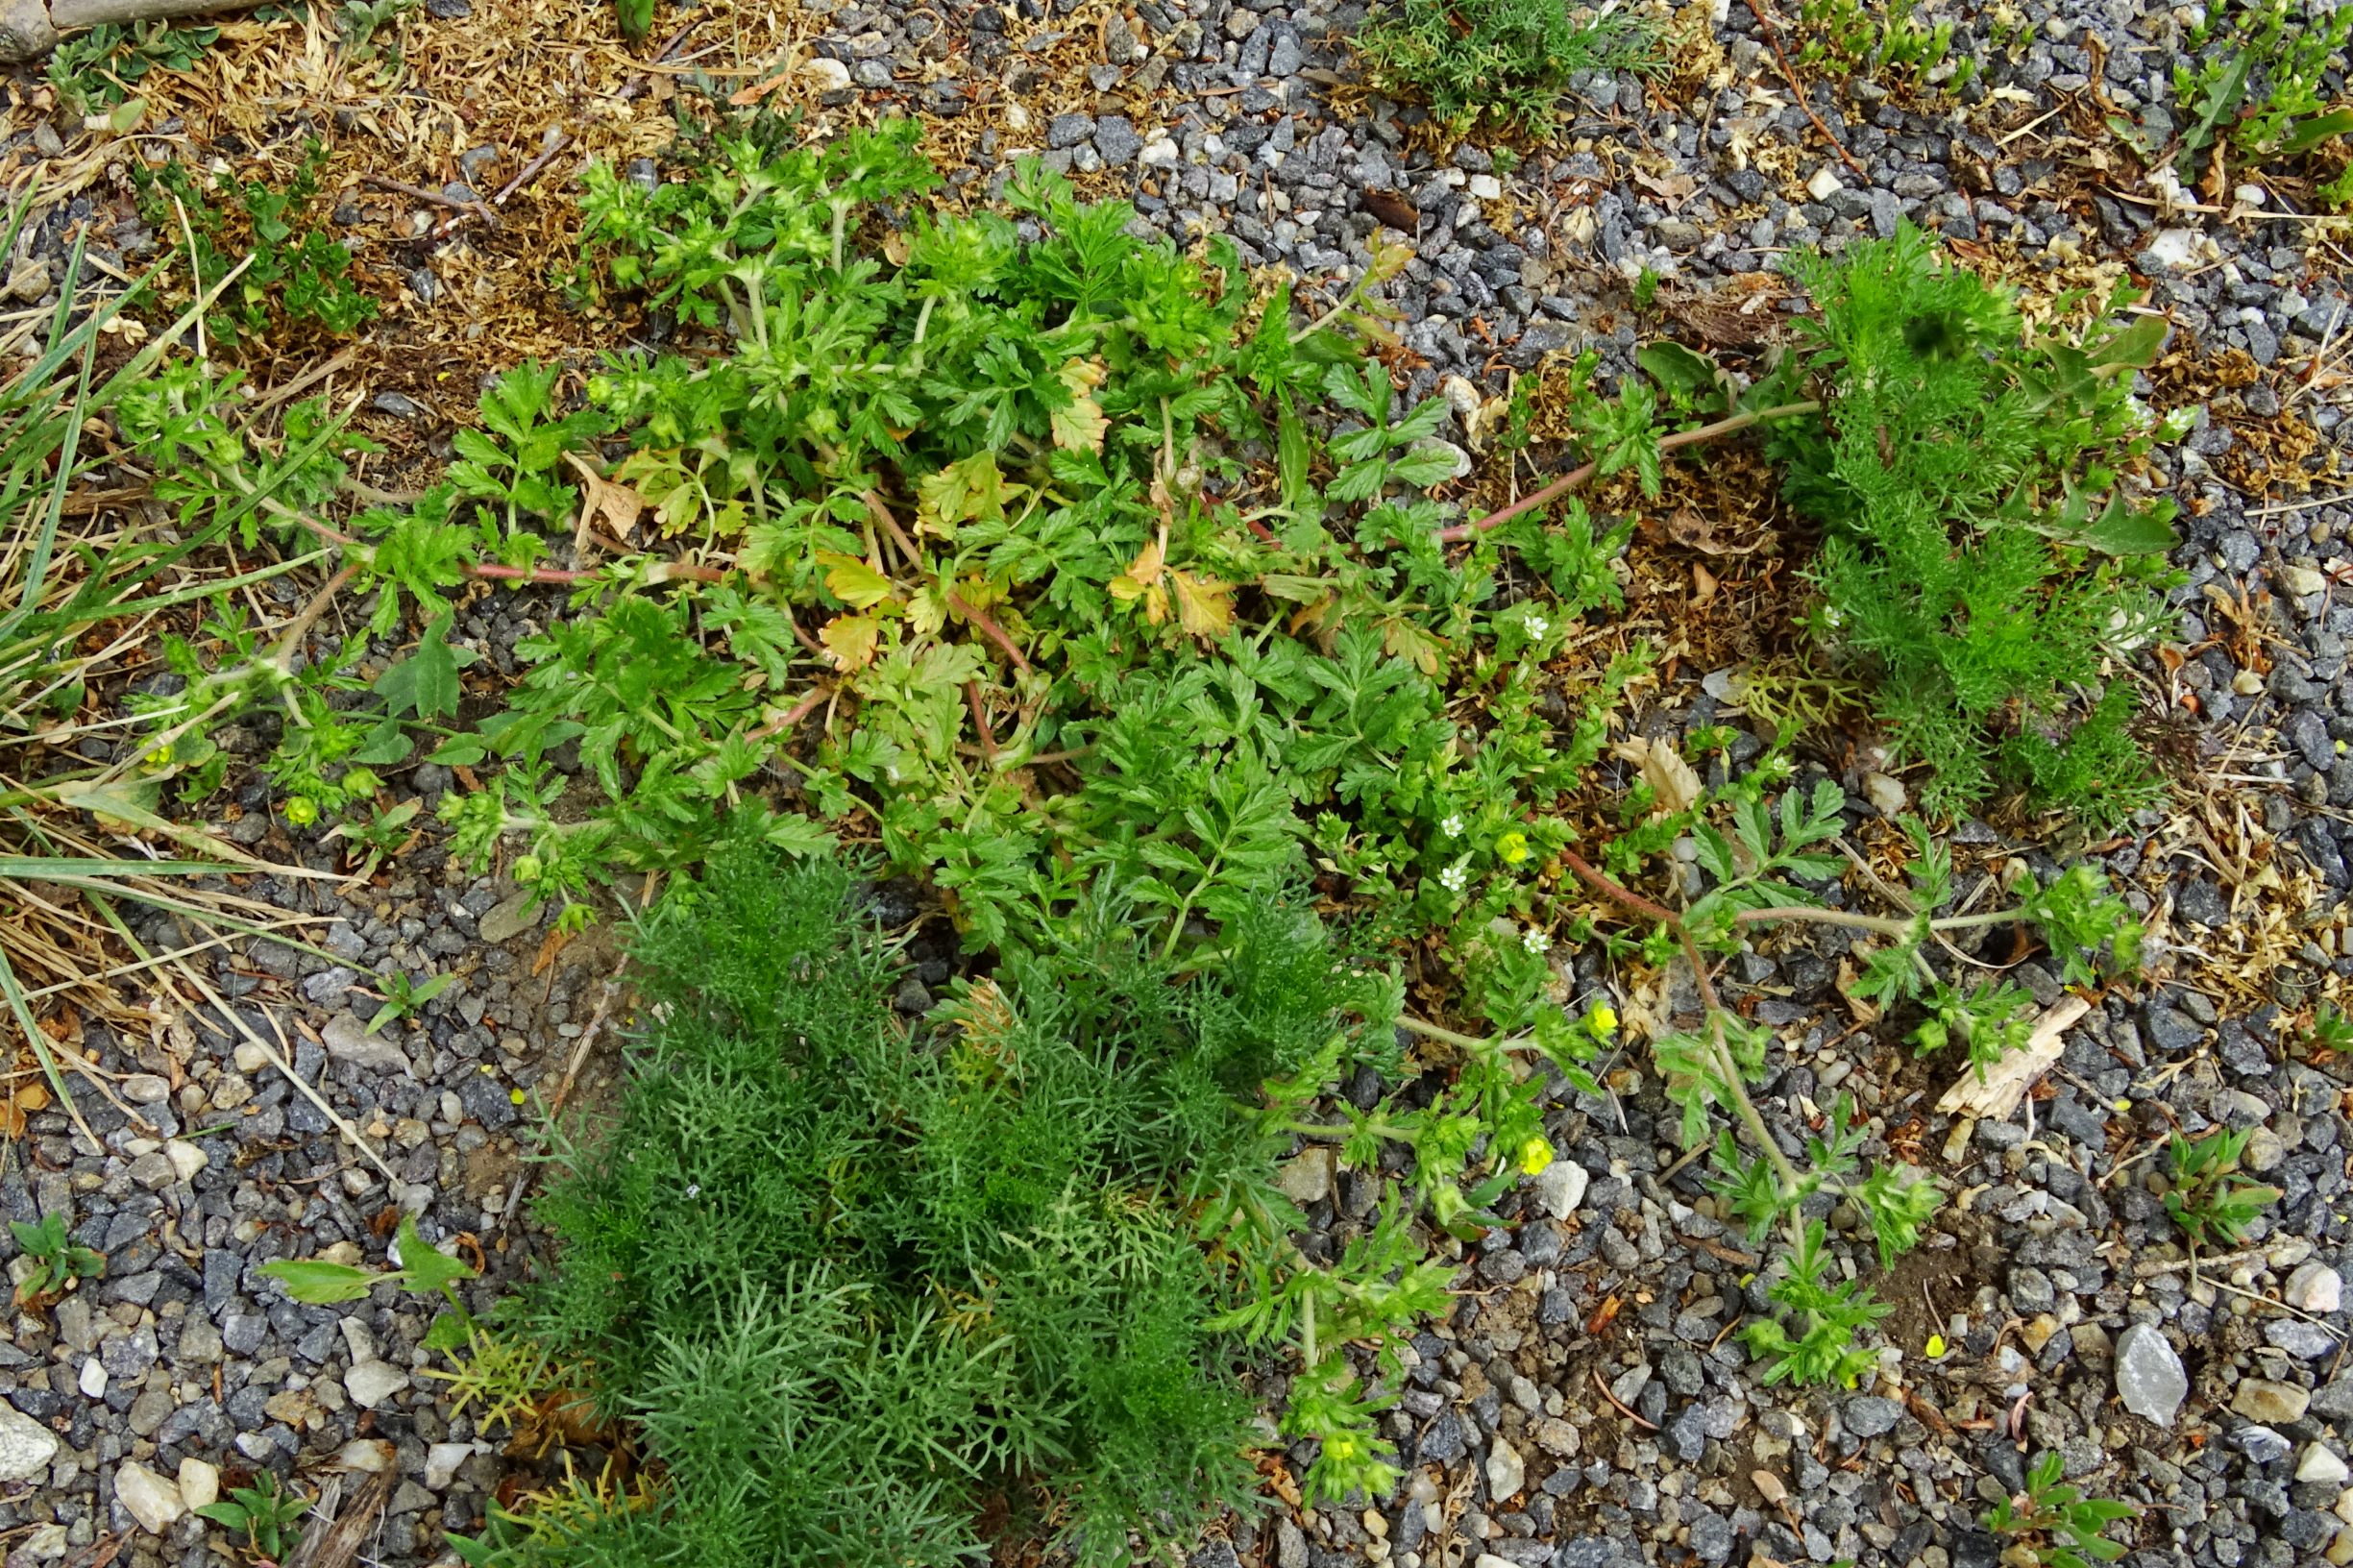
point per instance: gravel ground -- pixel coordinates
(1545, 1425)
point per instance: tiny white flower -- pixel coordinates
(1452, 827)
(1537, 626)
(694, 1189)
(1457, 877)
(1536, 940)
(1831, 619)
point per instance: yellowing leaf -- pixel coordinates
(1205, 605)
(1404, 640)
(852, 581)
(927, 609)
(1080, 427)
(970, 489)
(851, 641)
(1141, 572)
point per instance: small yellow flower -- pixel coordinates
(1935, 1347)
(301, 810)
(1534, 1155)
(515, 1096)
(1512, 846)
(1340, 1446)
(1603, 1021)
(161, 756)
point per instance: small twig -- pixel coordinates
(1646, 1426)
(2175, 1265)
(1789, 74)
(532, 170)
(290, 642)
(475, 207)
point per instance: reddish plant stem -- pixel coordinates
(980, 722)
(956, 601)
(1577, 477)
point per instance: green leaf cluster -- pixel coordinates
(1985, 558)
(293, 270)
(983, 489)
(57, 1259)
(2264, 95)
(2056, 1526)
(2210, 1199)
(1505, 63)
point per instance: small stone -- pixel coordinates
(2321, 1466)
(200, 1484)
(154, 1501)
(26, 1446)
(506, 919)
(2149, 1378)
(2315, 1288)
(347, 1039)
(1886, 794)
(371, 1456)
(1160, 152)
(1307, 1178)
(1871, 1416)
(1506, 1472)
(2174, 250)
(2305, 1341)
(2302, 581)
(371, 1383)
(2262, 1444)
(94, 1380)
(441, 1463)
(2272, 1404)
(825, 75)
(186, 1158)
(1823, 185)
(1561, 1187)
(1485, 187)
(145, 1088)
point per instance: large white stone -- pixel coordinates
(186, 1158)
(1561, 1187)
(371, 1383)
(200, 1484)
(2149, 1378)
(2315, 1288)
(147, 1497)
(441, 1463)
(2321, 1466)
(26, 1446)
(1506, 1471)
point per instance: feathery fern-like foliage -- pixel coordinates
(1982, 561)
(851, 1278)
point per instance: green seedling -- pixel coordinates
(2054, 1526)
(2211, 1200)
(269, 1515)
(58, 1261)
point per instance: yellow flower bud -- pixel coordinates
(1534, 1155)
